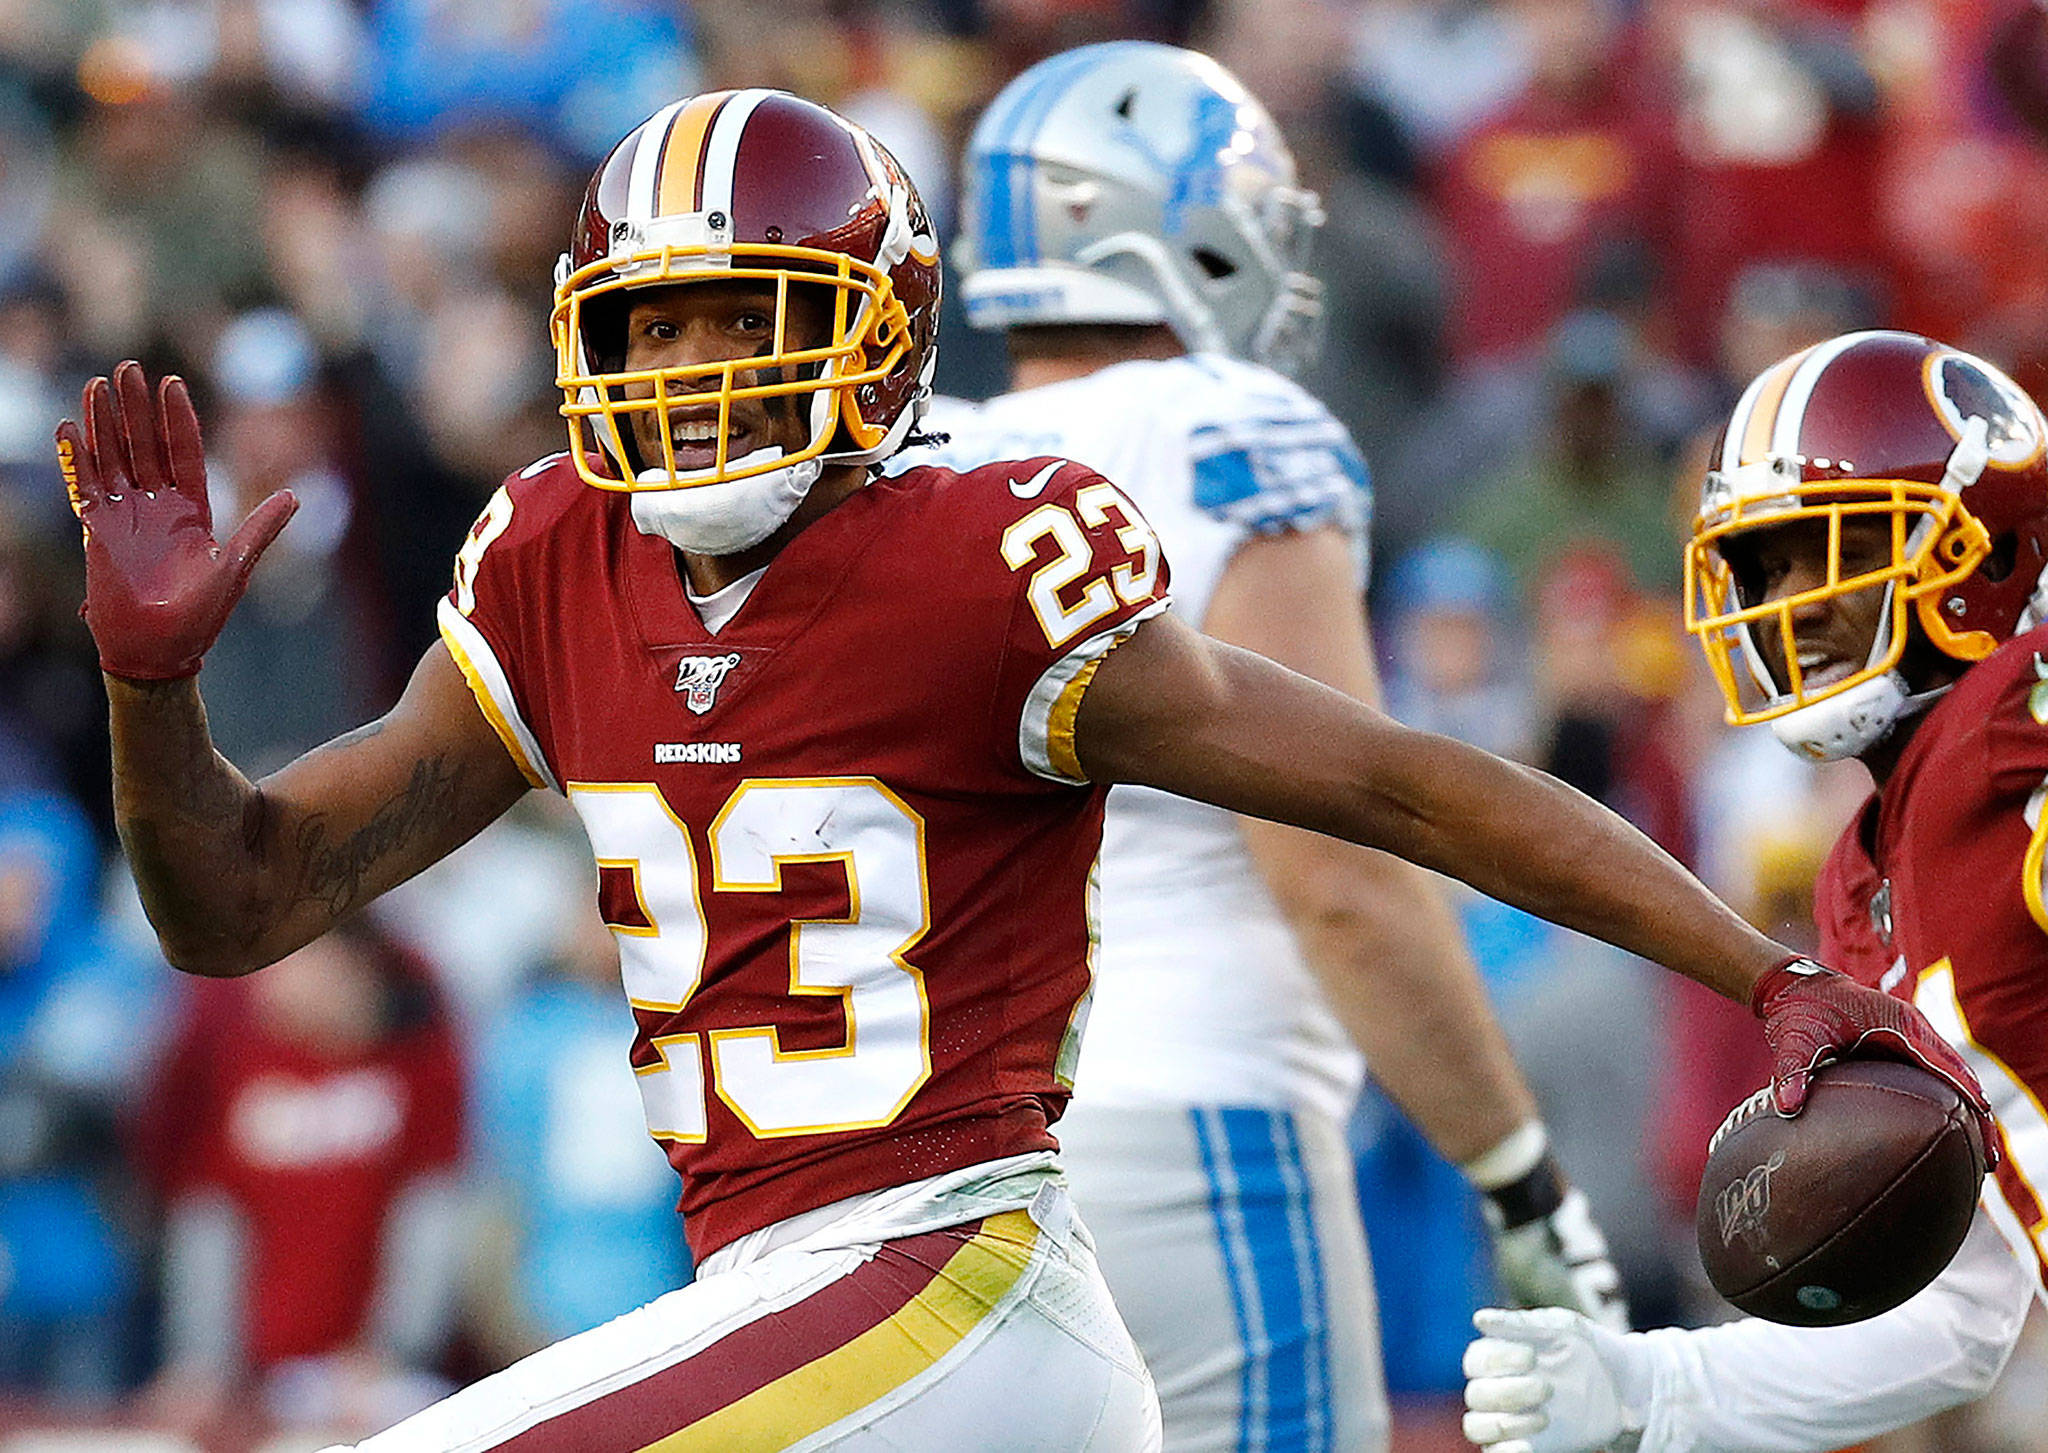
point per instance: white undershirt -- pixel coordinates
(724, 603)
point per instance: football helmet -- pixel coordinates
(748, 184)
(1139, 183)
(1945, 449)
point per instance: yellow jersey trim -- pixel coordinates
(501, 720)
(2030, 871)
(1059, 731)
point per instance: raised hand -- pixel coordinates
(1812, 1015)
(158, 587)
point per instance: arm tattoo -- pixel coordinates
(332, 874)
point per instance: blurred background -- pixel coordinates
(1563, 233)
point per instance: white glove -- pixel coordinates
(1559, 1260)
(1552, 1381)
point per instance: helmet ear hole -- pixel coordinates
(604, 331)
(1745, 572)
(1214, 265)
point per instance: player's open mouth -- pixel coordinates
(1817, 668)
(696, 442)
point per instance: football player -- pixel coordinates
(1868, 573)
(840, 745)
(1134, 224)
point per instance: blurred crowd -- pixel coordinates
(1562, 235)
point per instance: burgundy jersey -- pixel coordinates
(845, 843)
(312, 1147)
(1934, 893)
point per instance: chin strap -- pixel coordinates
(1850, 723)
(730, 516)
(1921, 701)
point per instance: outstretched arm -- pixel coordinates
(235, 875)
(1172, 709)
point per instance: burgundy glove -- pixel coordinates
(157, 587)
(1812, 1015)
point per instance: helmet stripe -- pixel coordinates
(647, 161)
(1799, 388)
(1767, 393)
(995, 123)
(677, 178)
(1061, 74)
(722, 149)
(1009, 215)
(1738, 423)
(682, 160)
(998, 241)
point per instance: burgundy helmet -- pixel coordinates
(1939, 443)
(762, 185)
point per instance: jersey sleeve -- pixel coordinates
(1758, 1387)
(1281, 461)
(1084, 571)
(488, 618)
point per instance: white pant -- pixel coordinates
(995, 1335)
(1231, 1239)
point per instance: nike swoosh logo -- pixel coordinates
(1033, 487)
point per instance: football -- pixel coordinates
(1847, 1210)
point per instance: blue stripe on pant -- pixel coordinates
(1259, 1194)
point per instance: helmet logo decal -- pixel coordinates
(1964, 389)
(1197, 174)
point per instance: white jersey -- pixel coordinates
(1201, 996)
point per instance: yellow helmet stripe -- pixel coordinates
(677, 178)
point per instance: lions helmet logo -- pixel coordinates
(699, 677)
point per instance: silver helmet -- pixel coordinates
(1140, 183)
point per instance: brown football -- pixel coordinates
(1847, 1210)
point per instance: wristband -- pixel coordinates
(1518, 1153)
(1792, 966)
(1520, 1178)
(1532, 1198)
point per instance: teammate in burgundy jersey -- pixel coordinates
(1935, 891)
(841, 745)
(1880, 504)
